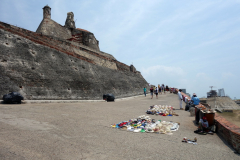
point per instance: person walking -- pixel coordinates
(145, 91)
(159, 88)
(180, 98)
(151, 91)
(163, 88)
(156, 92)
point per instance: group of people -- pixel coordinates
(194, 100)
(157, 90)
(203, 123)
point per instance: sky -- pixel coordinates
(188, 44)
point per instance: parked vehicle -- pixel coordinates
(108, 97)
(13, 97)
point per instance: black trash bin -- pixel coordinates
(108, 97)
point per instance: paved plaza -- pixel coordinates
(72, 131)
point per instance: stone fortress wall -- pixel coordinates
(47, 67)
(71, 48)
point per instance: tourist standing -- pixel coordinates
(163, 88)
(159, 89)
(145, 91)
(151, 91)
(167, 89)
(156, 92)
(180, 98)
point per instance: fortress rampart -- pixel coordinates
(44, 67)
(71, 48)
(61, 62)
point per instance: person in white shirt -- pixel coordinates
(180, 98)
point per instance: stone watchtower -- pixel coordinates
(67, 32)
(70, 21)
(47, 12)
(51, 28)
(132, 68)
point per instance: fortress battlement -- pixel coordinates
(61, 62)
(71, 48)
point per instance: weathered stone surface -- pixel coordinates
(68, 31)
(51, 28)
(47, 12)
(86, 38)
(41, 72)
(70, 23)
(132, 68)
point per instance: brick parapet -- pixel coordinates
(64, 46)
(229, 131)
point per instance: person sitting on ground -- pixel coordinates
(204, 126)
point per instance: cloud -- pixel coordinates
(162, 70)
(227, 75)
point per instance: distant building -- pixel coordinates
(238, 102)
(212, 93)
(221, 92)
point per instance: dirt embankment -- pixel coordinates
(222, 103)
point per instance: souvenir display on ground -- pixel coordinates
(190, 141)
(146, 124)
(163, 110)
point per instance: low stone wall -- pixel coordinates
(228, 131)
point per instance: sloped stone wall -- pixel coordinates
(52, 28)
(71, 48)
(43, 72)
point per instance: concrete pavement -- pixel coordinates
(82, 131)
